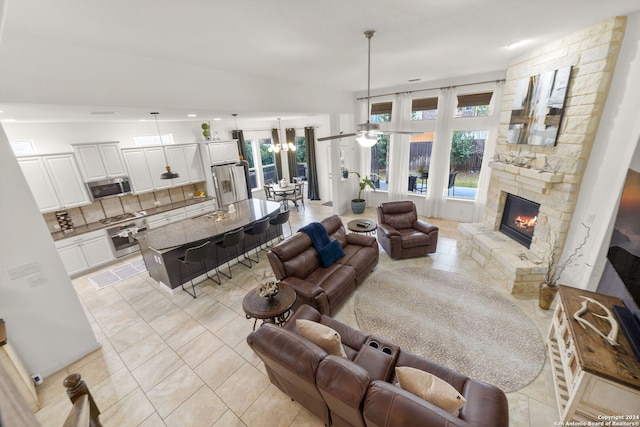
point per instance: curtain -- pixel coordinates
(239, 135)
(490, 147)
(276, 140)
(439, 167)
(313, 192)
(399, 149)
(290, 137)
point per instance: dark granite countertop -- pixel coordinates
(207, 226)
(83, 229)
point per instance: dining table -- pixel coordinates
(284, 192)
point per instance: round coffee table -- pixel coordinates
(275, 309)
(364, 226)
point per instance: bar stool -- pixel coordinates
(282, 217)
(195, 255)
(259, 228)
(231, 239)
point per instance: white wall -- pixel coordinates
(45, 323)
(617, 139)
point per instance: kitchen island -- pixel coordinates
(161, 247)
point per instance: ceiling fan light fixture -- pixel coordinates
(367, 140)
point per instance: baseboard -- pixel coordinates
(62, 365)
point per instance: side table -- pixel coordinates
(363, 226)
(275, 309)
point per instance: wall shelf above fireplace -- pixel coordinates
(532, 177)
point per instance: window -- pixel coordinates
(268, 161)
(424, 109)
(474, 105)
(301, 157)
(153, 140)
(23, 148)
(248, 148)
(419, 161)
(381, 112)
(380, 162)
(467, 150)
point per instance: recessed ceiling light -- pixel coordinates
(192, 115)
(8, 120)
(217, 119)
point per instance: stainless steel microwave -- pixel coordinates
(109, 188)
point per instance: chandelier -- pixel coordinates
(287, 146)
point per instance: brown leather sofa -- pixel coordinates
(361, 390)
(401, 234)
(296, 263)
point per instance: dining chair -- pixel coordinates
(271, 194)
(298, 194)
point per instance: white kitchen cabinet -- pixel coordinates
(145, 165)
(139, 175)
(55, 181)
(84, 252)
(155, 221)
(194, 163)
(200, 208)
(223, 151)
(177, 160)
(100, 161)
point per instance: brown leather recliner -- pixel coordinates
(402, 234)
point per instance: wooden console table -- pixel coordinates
(592, 378)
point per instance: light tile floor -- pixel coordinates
(171, 360)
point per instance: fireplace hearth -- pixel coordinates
(519, 219)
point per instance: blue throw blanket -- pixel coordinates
(328, 250)
(317, 234)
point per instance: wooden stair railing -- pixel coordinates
(85, 412)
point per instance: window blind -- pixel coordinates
(474, 99)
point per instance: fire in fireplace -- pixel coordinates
(519, 219)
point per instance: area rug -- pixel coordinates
(118, 273)
(453, 321)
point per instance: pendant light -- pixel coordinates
(168, 174)
(286, 146)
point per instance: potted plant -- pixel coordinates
(549, 288)
(358, 205)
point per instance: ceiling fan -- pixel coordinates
(367, 133)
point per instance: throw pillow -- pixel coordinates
(430, 388)
(323, 336)
(330, 253)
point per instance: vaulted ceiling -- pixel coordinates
(62, 60)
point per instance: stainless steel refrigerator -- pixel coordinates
(229, 183)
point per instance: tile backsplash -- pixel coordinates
(119, 205)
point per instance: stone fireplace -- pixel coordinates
(549, 176)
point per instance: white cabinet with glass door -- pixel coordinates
(55, 181)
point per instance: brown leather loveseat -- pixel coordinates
(360, 390)
(295, 262)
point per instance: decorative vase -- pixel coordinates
(546, 295)
(358, 205)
